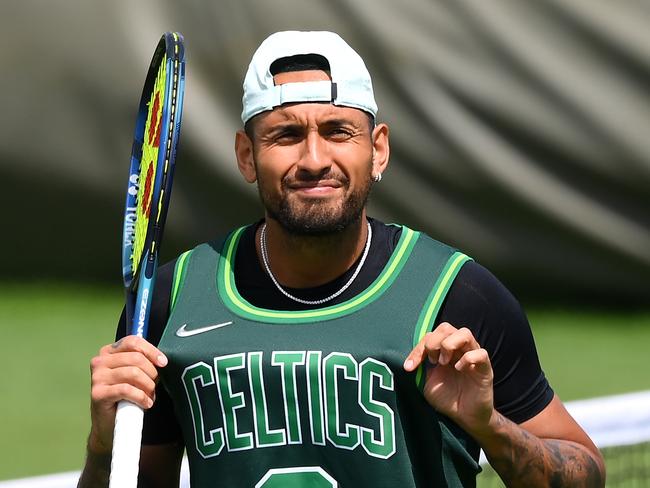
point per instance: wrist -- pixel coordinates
(488, 431)
(96, 447)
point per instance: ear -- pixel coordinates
(244, 153)
(380, 149)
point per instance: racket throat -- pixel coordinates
(142, 305)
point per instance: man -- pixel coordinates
(319, 347)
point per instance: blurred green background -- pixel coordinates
(519, 135)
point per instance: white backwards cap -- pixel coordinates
(350, 85)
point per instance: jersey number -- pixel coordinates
(312, 476)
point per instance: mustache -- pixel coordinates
(303, 177)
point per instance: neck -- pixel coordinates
(307, 261)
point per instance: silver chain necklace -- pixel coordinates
(265, 260)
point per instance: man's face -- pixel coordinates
(313, 163)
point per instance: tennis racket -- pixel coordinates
(147, 197)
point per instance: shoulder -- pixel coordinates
(476, 280)
(478, 298)
(229, 241)
(391, 234)
(482, 303)
(473, 283)
(219, 245)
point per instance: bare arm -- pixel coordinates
(549, 450)
(96, 470)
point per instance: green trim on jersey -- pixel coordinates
(434, 302)
(252, 389)
(179, 276)
(237, 304)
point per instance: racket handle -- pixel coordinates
(127, 436)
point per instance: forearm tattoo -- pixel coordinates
(528, 461)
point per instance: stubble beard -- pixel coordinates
(316, 217)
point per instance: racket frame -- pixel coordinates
(139, 282)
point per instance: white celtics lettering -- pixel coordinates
(322, 400)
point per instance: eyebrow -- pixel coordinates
(292, 124)
(282, 126)
(339, 122)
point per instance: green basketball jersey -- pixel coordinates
(313, 398)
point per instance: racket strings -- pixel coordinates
(170, 143)
(150, 157)
(148, 164)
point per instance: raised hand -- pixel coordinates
(458, 375)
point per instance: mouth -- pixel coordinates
(315, 188)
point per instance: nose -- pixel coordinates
(315, 157)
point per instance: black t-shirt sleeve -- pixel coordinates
(479, 301)
(160, 424)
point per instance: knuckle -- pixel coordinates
(131, 343)
(124, 390)
(131, 373)
(447, 343)
(446, 327)
(142, 363)
(128, 341)
(149, 390)
(464, 331)
(96, 378)
(97, 392)
(478, 356)
(432, 345)
(96, 362)
(431, 337)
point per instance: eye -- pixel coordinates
(287, 136)
(339, 133)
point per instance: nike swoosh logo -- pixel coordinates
(183, 332)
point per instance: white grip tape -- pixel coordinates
(126, 445)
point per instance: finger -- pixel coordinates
(111, 394)
(124, 359)
(428, 347)
(477, 361)
(130, 375)
(433, 341)
(136, 344)
(455, 345)
(415, 357)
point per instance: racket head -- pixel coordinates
(153, 157)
